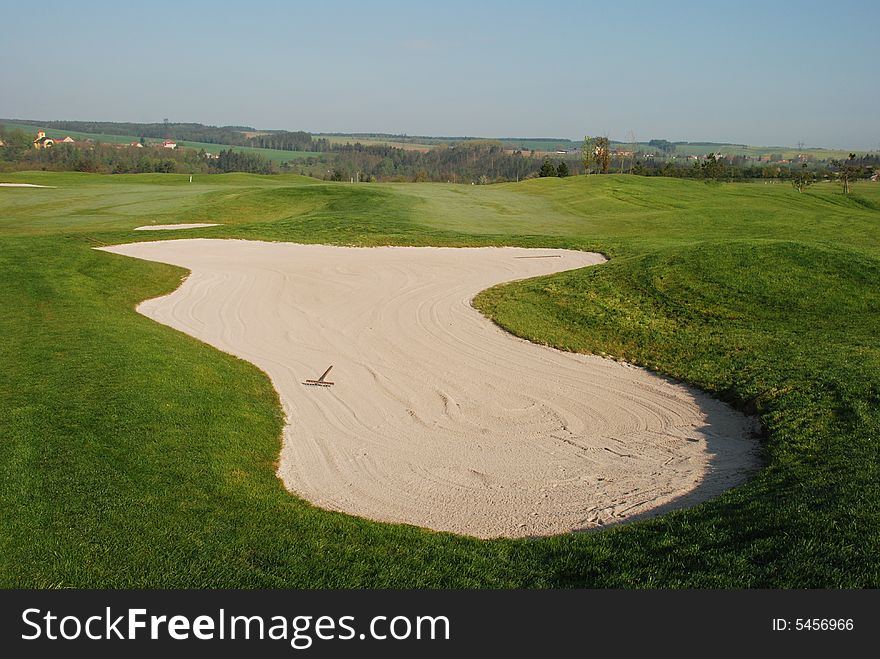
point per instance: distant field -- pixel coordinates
(136, 456)
(368, 141)
(420, 143)
(274, 155)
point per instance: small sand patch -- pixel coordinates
(437, 417)
(24, 185)
(172, 227)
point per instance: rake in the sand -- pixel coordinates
(321, 382)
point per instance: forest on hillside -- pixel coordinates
(474, 161)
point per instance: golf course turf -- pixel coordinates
(132, 455)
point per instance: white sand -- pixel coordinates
(172, 227)
(24, 185)
(438, 418)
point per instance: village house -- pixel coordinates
(169, 144)
(43, 142)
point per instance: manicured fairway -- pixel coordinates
(133, 455)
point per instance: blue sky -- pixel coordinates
(754, 72)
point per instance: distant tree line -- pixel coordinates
(738, 168)
(662, 145)
(290, 141)
(475, 161)
(237, 161)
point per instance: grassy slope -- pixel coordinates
(132, 455)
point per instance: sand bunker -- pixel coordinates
(24, 185)
(438, 418)
(172, 227)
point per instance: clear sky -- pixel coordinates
(764, 73)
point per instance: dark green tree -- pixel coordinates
(713, 168)
(562, 170)
(547, 169)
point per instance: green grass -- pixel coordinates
(274, 155)
(132, 455)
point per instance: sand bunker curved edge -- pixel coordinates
(172, 227)
(438, 418)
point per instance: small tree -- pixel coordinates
(802, 179)
(562, 170)
(547, 169)
(847, 171)
(602, 149)
(588, 153)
